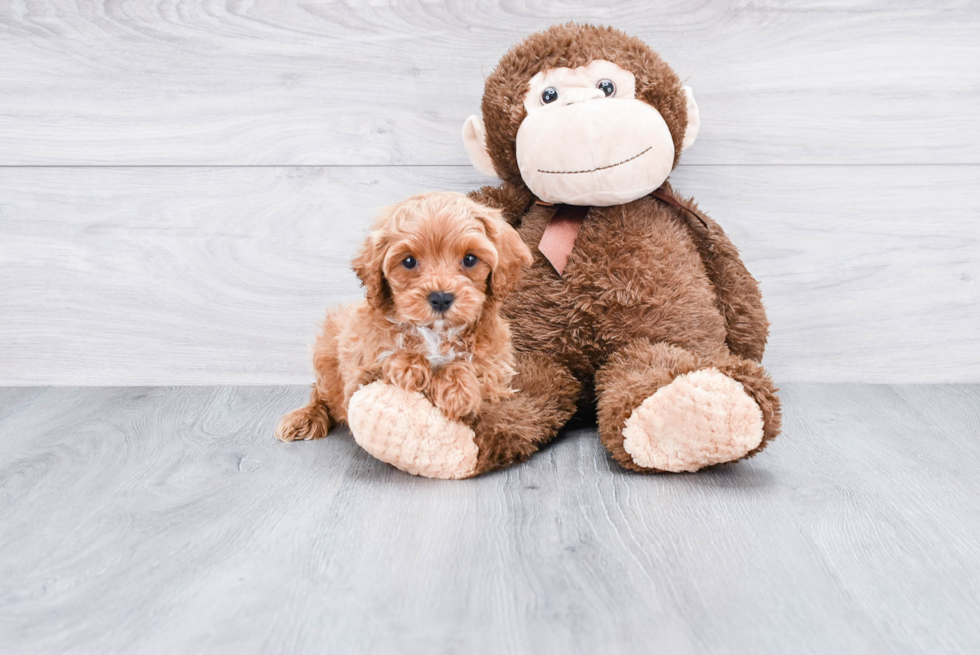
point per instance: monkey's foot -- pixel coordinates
(699, 419)
(404, 429)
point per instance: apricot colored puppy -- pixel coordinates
(435, 269)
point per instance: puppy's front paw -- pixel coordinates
(303, 424)
(456, 391)
(407, 370)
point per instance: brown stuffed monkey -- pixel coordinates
(636, 302)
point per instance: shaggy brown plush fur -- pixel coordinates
(512, 430)
(648, 293)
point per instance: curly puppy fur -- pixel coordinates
(648, 293)
(461, 358)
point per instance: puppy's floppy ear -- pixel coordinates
(512, 253)
(368, 265)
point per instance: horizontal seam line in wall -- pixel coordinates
(793, 165)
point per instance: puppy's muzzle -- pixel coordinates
(441, 301)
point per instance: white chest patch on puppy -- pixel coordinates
(438, 344)
(435, 343)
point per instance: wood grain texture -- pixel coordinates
(379, 83)
(208, 276)
(168, 520)
(304, 116)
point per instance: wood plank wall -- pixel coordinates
(182, 184)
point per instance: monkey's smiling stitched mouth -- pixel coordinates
(601, 168)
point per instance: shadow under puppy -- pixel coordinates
(435, 268)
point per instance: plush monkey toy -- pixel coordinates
(636, 303)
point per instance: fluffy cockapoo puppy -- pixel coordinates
(435, 269)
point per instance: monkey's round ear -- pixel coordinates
(693, 120)
(475, 140)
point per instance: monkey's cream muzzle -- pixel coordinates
(587, 139)
(601, 151)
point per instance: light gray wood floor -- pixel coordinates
(168, 520)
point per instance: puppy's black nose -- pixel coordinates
(440, 301)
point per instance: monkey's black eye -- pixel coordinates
(607, 87)
(409, 262)
(469, 261)
(549, 95)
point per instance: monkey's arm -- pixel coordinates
(738, 292)
(512, 201)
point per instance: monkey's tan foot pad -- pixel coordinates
(404, 429)
(699, 419)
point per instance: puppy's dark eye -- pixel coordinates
(607, 87)
(409, 262)
(549, 95)
(470, 261)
